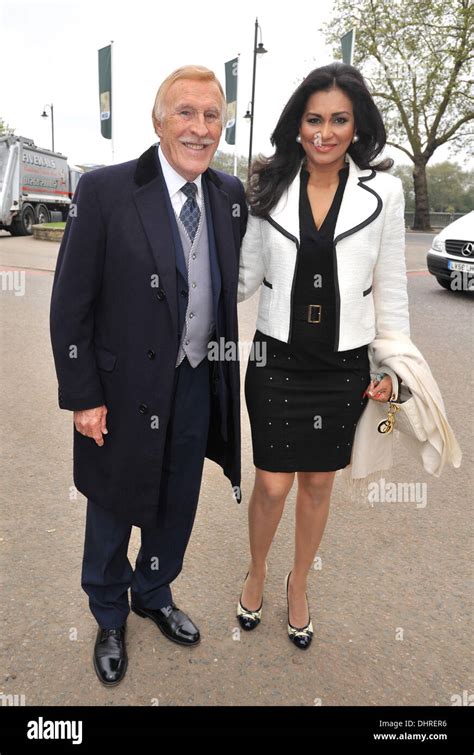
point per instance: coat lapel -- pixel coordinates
(360, 205)
(222, 223)
(216, 278)
(151, 198)
(285, 214)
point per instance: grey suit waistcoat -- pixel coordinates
(199, 321)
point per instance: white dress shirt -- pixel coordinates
(174, 181)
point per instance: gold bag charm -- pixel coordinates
(386, 425)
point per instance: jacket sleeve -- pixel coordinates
(389, 276)
(76, 287)
(251, 266)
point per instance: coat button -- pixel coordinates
(184, 293)
(151, 354)
(143, 409)
(160, 294)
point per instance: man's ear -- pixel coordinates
(157, 126)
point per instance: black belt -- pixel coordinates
(312, 313)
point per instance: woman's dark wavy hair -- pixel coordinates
(270, 176)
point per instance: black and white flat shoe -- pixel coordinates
(248, 620)
(300, 636)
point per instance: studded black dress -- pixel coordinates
(305, 402)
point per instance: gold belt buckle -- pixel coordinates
(310, 312)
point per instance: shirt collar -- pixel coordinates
(174, 181)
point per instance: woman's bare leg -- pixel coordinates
(265, 509)
(312, 510)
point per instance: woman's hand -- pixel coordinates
(379, 390)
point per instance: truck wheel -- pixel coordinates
(42, 214)
(23, 225)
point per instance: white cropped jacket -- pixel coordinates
(369, 260)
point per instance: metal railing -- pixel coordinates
(438, 219)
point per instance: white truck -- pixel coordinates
(36, 185)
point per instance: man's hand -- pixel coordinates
(91, 423)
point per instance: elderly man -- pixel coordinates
(146, 278)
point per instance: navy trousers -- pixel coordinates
(107, 573)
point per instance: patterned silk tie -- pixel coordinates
(190, 212)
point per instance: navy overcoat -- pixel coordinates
(118, 303)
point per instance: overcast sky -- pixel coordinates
(49, 55)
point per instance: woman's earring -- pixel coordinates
(355, 139)
(298, 138)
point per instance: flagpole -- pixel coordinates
(236, 111)
(112, 99)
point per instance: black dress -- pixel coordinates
(305, 402)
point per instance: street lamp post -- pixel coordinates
(44, 114)
(258, 49)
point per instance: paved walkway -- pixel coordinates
(390, 605)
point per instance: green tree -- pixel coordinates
(450, 188)
(404, 172)
(416, 56)
(225, 162)
(5, 128)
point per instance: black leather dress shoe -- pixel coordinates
(174, 624)
(110, 655)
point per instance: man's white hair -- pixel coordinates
(196, 73)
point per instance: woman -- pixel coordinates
(325, 241)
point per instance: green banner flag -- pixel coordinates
(105, 91)
(231, 77)
(347, 46)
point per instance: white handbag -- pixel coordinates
(402, 412)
